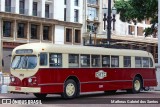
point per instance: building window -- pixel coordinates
(85, 60)
(114, 61)
(76, 2)
(131, 30)
(34, 29)
(7, 26)
(95, 60)
(92, 13)
(46, 33)
(55, 60)
(65, 11)
(95, 2)
(21, 6)
(73, 60)
(127, 61)
(139, 31)
(8, 5)
(77, 36)
(65, 2)
(75, 15)
(21, 30)
(34, 8)
(47, 10)
(68, 35)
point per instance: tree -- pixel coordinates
(138, 10)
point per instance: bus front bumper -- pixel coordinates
(18, 89)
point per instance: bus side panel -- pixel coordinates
(52, 89)
(53, 79)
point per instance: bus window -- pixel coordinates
(138, 62)
(85, 60)
(73, 60)
(145, 62)
(24, 62)
(127, 61)
(105, 61)
(43, 59)
(32, 62)
(55, 60)
(95, 60)
(114, 61)
(151, 62)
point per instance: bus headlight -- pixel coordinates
(12, 79)
(29, 80)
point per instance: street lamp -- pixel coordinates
(107, 12)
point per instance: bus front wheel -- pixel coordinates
(41, 96)
(70, 89)
(137, 85)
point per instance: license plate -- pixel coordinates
(17, 88)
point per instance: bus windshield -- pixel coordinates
(24, 62)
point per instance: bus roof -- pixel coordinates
(79, 49)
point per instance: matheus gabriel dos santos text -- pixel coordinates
(135, 101)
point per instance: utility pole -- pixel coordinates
(109, 19)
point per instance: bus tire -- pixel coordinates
(70, 89)
(137, 86)
(40, 96)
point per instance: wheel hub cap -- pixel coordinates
(70, 89)
(137, 85)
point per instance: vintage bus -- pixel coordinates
(45, 68)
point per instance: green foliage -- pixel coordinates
(131, 10)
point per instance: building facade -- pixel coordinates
(27, 21)
(123, 34)
(71, 22)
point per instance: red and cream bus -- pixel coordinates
(44, 68)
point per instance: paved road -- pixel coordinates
(95, 99)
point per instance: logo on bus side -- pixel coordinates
(100, 74)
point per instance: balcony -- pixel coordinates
(49, 15)
(23, 11)
(10, 9)
(36, 13)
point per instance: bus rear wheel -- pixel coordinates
(137, 86)
(70, 89)
(40, 96)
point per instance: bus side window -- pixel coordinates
(114, 61)
(138, 62)
(127, 61)
(55, 60)
(85, 60)
(105, 61)
(145, 62)
(95, 60)
(151, 62)
(43, 59)
(73, 60)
